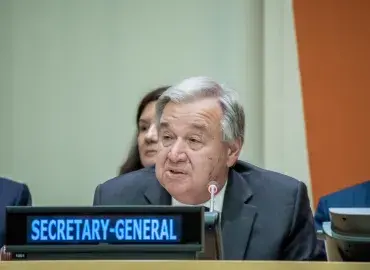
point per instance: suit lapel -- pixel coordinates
(237, 217)
(155, 194)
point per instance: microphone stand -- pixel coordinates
(212, 189)
(213, 237)
(212, 206)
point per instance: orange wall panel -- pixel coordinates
(334, 57)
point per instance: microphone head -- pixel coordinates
(213, 187)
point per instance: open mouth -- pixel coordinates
(176, 172)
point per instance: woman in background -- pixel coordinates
(144, 148)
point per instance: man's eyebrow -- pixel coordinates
(200, 126)
(164, 124)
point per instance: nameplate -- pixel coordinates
(72, 229)
(104, 225)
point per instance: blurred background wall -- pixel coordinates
(73, 71)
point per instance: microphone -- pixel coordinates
(212, 189)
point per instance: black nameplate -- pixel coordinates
(103, 225)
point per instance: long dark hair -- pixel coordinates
(133, 161)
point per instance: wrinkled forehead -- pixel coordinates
(202, 115)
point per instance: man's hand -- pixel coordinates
(4, 256)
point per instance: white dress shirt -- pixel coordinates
(219, 201)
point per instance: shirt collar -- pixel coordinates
(219, 201)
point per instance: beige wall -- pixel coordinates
(6, 63)
(76, 70)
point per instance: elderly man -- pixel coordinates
(265, 215)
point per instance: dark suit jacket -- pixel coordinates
(266, 215)
(355, 196)
(11, 194)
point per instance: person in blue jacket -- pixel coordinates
(354, 196)
(11, 194)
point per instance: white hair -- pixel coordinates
(232, 122)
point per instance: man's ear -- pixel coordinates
(233, 152)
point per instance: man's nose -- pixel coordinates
(152, 134)
(177, 152)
